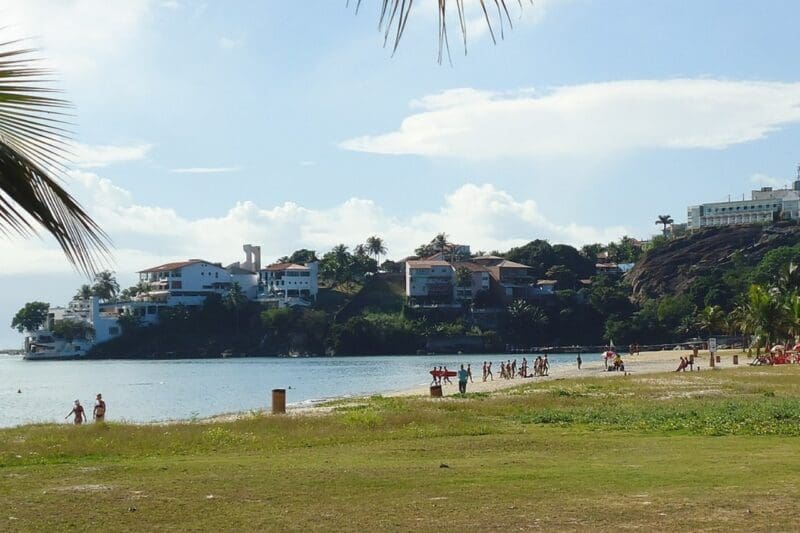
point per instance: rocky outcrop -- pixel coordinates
(672, 267)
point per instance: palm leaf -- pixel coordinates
(394, 16)
(34, 144)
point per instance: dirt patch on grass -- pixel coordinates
(93, 487)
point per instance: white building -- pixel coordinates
(764, 206)
(430, 281)
(100, 326)
(187, 282)
(246, 273)
(290, 284)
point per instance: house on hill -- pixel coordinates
(430, 282)
(290, 284)
(184, 282)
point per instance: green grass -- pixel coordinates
(651, 452)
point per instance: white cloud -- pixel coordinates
(95, 156)
(481, 215)
(595, 119)
(230, 43)
(763, 180)
(77, 35)
(205, 170)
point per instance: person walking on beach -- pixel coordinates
(469, 372)
(446, 377)
(546, 366)
(484, 371)
(489, 372)
(99, 412)
(463, 376)
(78, 413)
(579, 360)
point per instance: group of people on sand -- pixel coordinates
(79, 413)
(509, 369)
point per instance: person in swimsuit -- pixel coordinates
(446, 377)
(78, 412)
(99, 412)
(489, 371)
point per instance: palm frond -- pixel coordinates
(34, 143)
(394, 17)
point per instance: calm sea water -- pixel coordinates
(147, 391)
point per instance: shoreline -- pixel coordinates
(643, 363)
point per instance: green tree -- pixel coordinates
(763, 314)
(711, 319)
(664, 220)
(526, 321)
(31, 317)
(70, 330)
(440, 242)
(376, 247)
(300, 257)
(234, 300)
(105, 285)
(84, 293)
(33, 147)
(564, 277)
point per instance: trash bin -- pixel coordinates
(278, 401)
(735, 359)
(719, 359)
(436, 391)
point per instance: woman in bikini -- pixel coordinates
(78, 412)
(99, 412)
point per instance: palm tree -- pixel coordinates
(440, 242)
(105, 285)
(394, 16)
(527, 321)
(666, 220)
(33, 145)
(711, 319)
(234, 299)
(793, 315)
(376, 247)
(84, 293)
(764, 315)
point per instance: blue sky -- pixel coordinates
(204, 125)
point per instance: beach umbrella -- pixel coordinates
(797, 347)
(777, 348)
(609, 353)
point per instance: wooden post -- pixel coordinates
(278, 401)
(711, 361)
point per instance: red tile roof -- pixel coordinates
(173, 266)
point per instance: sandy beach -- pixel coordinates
(591, 367)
